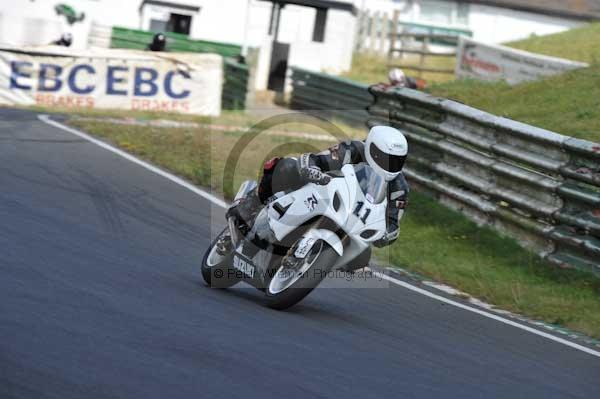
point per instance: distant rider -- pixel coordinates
(398, 78)
(159, 43)
(66, 39)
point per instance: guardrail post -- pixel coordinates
(384, 33)
(374, 32)
(393, 34)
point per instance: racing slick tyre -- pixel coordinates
(216, 270)
(296, 278)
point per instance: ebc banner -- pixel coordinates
(187, 83)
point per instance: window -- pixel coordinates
(162, 19)
(444, 12)
(462, 14)
(320, 24)
(158, 26)
(437, 11)
(179, 23)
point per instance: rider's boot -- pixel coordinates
(224, 244)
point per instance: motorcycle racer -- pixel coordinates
(385, 150)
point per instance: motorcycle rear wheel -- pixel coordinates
(286, 289)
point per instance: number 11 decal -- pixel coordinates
(357, 210)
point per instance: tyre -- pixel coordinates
(290, 285)
(216, 270)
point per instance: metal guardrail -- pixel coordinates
(332, 96)
(235, 84)
(541, 187)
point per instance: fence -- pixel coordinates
(423, 52)
(334, 97)
(99, 36)
(176, 42)
(537, 186)
(377, 33)
(541, 187)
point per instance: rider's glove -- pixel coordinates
(312, 174)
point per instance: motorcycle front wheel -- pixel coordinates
(216, 269)
(290, 285)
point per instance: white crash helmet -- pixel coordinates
(386, 149)
(397, 76)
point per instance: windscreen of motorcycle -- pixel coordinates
(372, 185)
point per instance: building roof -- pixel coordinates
(184, 5)
(574, 9)
(326, 4)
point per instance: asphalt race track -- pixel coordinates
(101, 297)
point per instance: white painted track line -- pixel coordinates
(489, 315)
(217, 201)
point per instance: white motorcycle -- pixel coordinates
(301, 236)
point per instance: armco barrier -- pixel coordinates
(235, 85)
(536, 185)
(335, 97)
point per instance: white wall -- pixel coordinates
(25, 22)
(333, 55)
(221, 21)
(295, 28)
(498, 25)
(35, 22)
(489, 24)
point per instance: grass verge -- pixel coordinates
(567, 104)
(371, 69)
(435, 241)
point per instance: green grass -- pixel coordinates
(579, 44)
(568, 104)
(435, 241)
(227, 117)
(442, 244)
(371, 69)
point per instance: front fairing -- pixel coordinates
(341, 203)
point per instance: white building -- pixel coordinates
(492, 21)
(313, 34)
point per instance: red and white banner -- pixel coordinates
(110, 78)
(491, 62)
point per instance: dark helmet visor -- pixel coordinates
(388, 162)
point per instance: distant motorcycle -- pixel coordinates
(299, 237)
